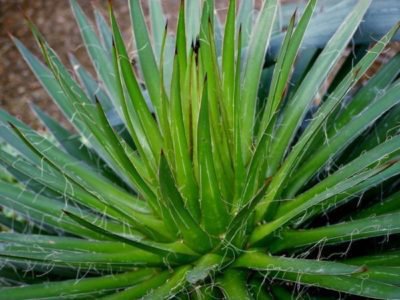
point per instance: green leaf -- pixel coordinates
(239, 165)
(245, 20)
(190, 170)
(185, 179)
(51, 85)
(53, 179)
(77, 170)
(168, 60)
(228, 66)
(385, 206)
(233, 285)
(174, 285)
(191, 232)
(351, 285)
(11, 138)
(389, 275)
(158, 23)
(376, 156)
(336, 144)
(343, 138)
(357, 190)
(40, 209)
(206, 265)
(195, 96)
(148, 64)
(18, 226)
(252, 72)
(217, 30)
(72, 191)
(140, 290)
(192, 21)
(297, 106)
(122, 154)
(284, 65)
(92, 88)
(367, 94)
(173, 251)
(214, 212)
(264, 262)
(258, 289)
(281, 293)
(331, 104)
(88, 287)
(62, 243)
(104, 31)
(339, 233)
(209, 63)
(136, 99)
(72, 143)
(100, 58)
(48, 81)
(205, 292)
(262, 231)
(133, 125)
(95, 124)
(165, 125)
(242, 219)
(184, 74)
(180, 47)
(82, 254)
(383, 258)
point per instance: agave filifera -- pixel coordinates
(197, 183)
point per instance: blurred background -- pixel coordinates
(18, 86)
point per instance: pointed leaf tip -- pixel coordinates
(97, 100)
(294, 15)
(10, 35)
(196, 46)
(26, 17)
(12, 125)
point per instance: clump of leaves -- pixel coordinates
(198, 184)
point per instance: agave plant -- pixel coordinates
(200, 174)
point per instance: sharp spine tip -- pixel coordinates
(196, 46)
